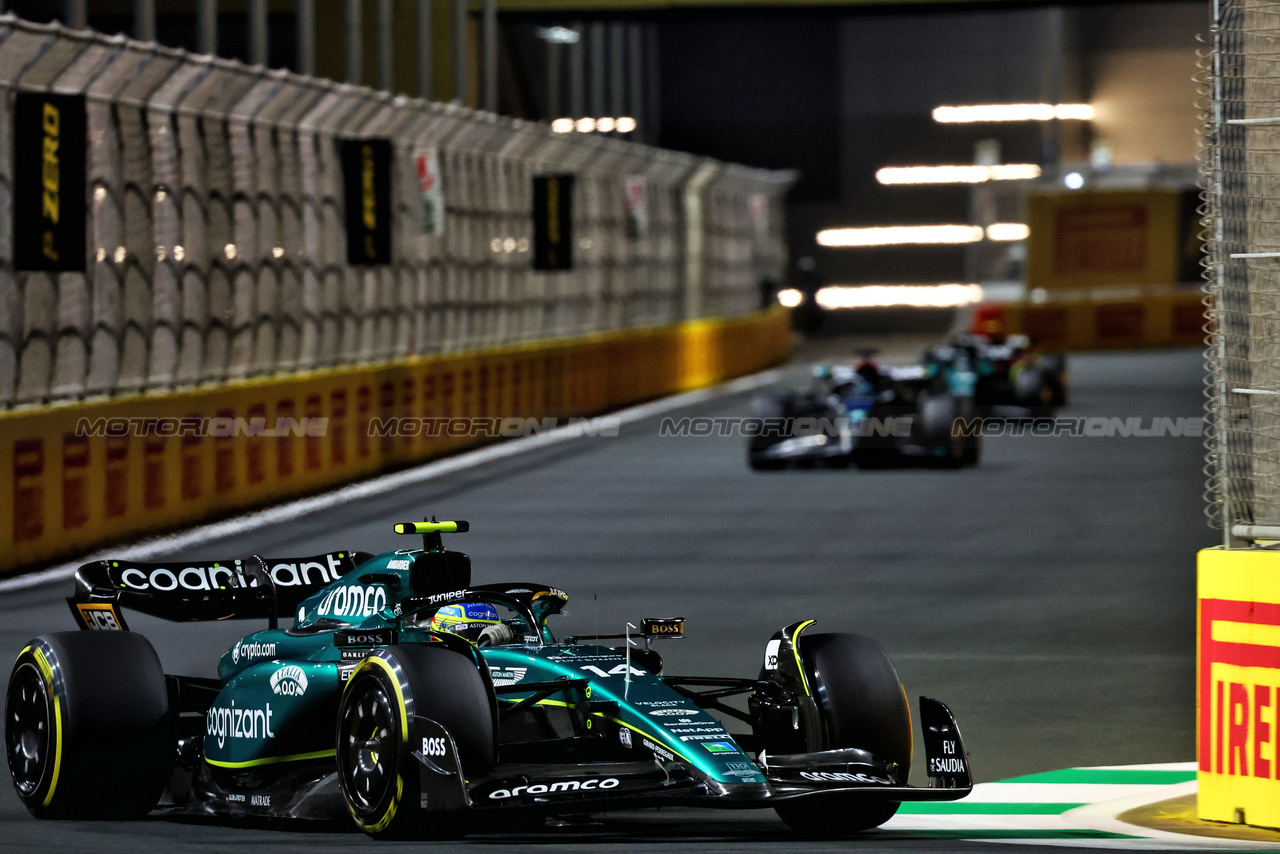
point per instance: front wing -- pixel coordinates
(600, 786)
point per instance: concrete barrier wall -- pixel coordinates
(68, 492)
(217, 225)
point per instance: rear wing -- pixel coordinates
(191, 591)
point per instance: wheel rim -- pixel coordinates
(369, 748)
(27, 729)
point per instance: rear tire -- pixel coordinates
(863, 705)
(88, 733)
(377, 772)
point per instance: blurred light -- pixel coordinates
(1014, 172)
(883, 296)
(161, 195)
(121, 254)
(496, 244)
(956, 174)
(790, 297)
(277, 251)
(1081, 112)
(1008, 231)
(898, 235)
(509, 244)
(179, 253)
(99, 193)
(559, 35)
(522, 245)
(230, 250)
(604, 124)
(1073, 180)
(933, 174)
(1012, 113)
(101, 254)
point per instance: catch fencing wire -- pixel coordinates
(1241, 169)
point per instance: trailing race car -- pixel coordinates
(869, 415)
(420, 706)
(1012, 379)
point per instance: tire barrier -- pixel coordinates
(86, 474)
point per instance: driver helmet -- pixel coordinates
(467, 619)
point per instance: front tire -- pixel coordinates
(378, 775)
(863, 705)
(88, 733)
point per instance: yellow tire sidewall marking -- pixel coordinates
(46, 671)
(368, 664)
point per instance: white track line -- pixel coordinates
(158, 546)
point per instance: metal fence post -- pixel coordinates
(207, 26)
(423, 21)
(354, 22)
(385, 67)
(490, 39)
(144, 20)
(306, 12)
(257, 32)
(461, 61)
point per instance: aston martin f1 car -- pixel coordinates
(869, 415)
(421, 706)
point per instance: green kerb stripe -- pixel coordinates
(1136, 777)
(964, 808)
(979, 833)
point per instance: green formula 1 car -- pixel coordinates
(422, 706)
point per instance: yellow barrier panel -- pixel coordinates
(90, 473)
(1238, 686)
(1108, 238)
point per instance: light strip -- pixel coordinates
(605, 124)
(887, 296)
(957, 174)
(1013, 113)
(900, 235)
(1008, 231)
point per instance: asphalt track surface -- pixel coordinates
(1047, 596)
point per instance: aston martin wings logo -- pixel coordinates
(507, 675)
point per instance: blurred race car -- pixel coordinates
(871, 416)
(420, 706)
(1013, 380)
